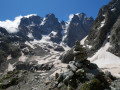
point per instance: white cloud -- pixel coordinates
(11, 26)
(30, 15)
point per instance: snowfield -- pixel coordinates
(106, 60)
(52, 57)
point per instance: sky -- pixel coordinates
(9, 9)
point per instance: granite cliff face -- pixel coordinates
(48, 30)
(78, 28)
(103, 41)
(103, 25)
(115, 38)
(34, 27)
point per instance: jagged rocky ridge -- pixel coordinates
(78, 28)
(106, 24)
(34, 27)
(105, 30)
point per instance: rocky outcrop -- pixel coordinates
(59, 48)
(103, 24)
(78, 28)
(29, 27)
(32, 66)
(34, 27)
(83, 75)
(77, 50)
(115, 38)
(67, 56)
(50, 23)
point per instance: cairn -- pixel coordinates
(79, 52)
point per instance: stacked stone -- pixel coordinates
(79, 52)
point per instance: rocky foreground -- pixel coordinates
(80, 74)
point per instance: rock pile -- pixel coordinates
(33, 66)
(82, 75)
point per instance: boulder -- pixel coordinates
(67, 76)
(80, 72)
(90, 76)
(72, 67)
(32, 66)
(78, 65)
(67, 56)
(92, 66)
(72, 62)
(59, 48)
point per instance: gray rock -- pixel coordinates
(98, 34)
(90, 76)
(115, 38)
(108, 74)
(95, 71)
(72, 62)
(78, 28)
(59, 48)
(115, 85)
(33, 66)
(79, 72)
(72, 67)
(60, 85)
(92, 66)
(78, 65)
(67, 56)
(68, 73)
(60, 78)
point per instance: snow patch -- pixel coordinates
(22, 57)
(9, 57)
(83, 40)
(102, 24)
(105, 59)
(77, 14)
(33, 24)
(45, 39)
(89, 46)
(30, 35)
(54, 33)
(43, 22)
(10, 67)
(113, 9)
(29, 44)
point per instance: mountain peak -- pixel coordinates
(91, 18)
(51, 15)
(31, 19)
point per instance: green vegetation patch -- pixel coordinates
(93, 84)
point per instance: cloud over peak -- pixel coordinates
(12, 26)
